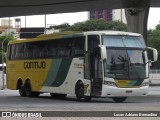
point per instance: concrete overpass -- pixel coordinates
(136, 10)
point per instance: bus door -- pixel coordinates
(94, 65)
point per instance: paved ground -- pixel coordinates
(11, 101)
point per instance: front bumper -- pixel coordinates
(111, 91)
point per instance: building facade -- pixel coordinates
(109, 15)
(119, 14)
(99, 14)
(6, 28)
(6, 22)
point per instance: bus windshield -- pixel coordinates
(125, 58)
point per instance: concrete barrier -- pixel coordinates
(1, 81)
(154, 79)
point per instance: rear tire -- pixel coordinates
(28, 90)
(80, 93)
(119, 99)
(21, 89)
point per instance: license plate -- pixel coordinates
(129, 91)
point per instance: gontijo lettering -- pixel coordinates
(35, 65)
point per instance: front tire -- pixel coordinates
(119, 99)
(80, 93)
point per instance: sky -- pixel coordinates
(154, 18)
(71, 18)
(51, 19)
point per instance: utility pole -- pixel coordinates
(45, 23)
(121, 16)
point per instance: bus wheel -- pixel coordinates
(54, 95)
(21, 89)
(119, 99)
(28, 89)
(80, 93)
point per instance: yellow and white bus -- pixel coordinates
(88, 64)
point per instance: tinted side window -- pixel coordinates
(32, 50)
(13, 51)
(93, 42)
(41, 49)
(51, 49)
(78, 47)
(65, 47)
(19, 51)
(9, 52)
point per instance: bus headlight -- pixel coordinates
(145, 84)
(109, 83)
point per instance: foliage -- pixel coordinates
(154, 41)
(99, 24)
(6, 39)
(158, 27)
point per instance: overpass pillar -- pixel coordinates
(137, 18)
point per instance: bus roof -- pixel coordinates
(43, 37)
(70, 34)
(111, 33)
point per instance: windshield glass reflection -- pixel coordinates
(125, 57)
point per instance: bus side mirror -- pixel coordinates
(155, 54)
(103, 52)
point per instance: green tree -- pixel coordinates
(154, 41)
(158, 27)
(6, 39)
(99, 24)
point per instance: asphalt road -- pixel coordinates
(11, 101)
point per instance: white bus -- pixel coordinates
(110, 64)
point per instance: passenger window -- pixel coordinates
(78, 47)
(93, 42)
(19, 50)
(65, 48)
(9, 51)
